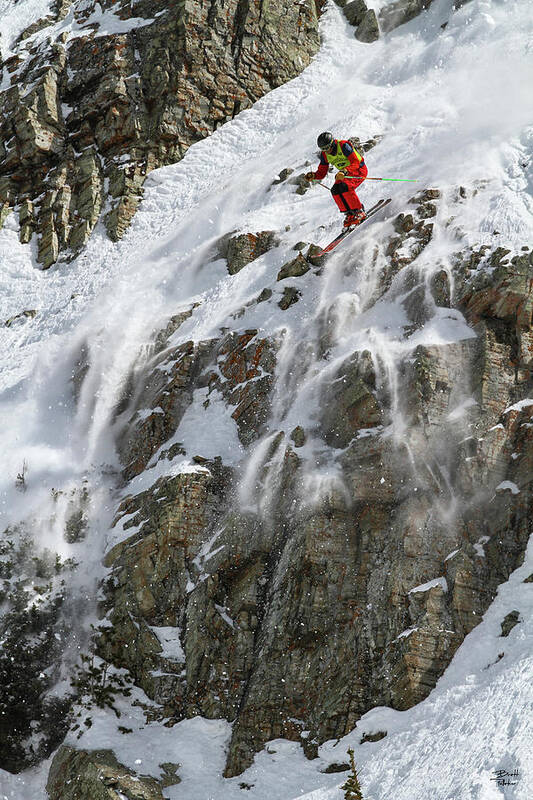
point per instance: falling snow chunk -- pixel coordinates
(425, 587)
(507, 486)
(452, 554)
(406, 632)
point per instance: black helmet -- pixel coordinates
(325, 140)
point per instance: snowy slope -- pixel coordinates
(453, 106)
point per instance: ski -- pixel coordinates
(370, 213)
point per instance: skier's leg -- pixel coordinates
(345, 195)
(340, 192)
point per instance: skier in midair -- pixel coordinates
(349, 163)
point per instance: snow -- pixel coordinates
(169, 638)
(453, 112)
(507, 486)
(16, 16)
(478, 546)
(425, 587)
(526, 403)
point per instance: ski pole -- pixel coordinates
(318, 183)
(402, 180)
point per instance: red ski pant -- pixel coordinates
(344, 194)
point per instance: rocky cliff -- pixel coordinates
(297, 615)
(96, 95)
(377, 488)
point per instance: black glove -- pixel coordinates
(310, 176)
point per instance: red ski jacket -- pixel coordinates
(345, 159)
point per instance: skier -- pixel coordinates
(340, 154)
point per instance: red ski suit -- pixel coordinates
(349, 161)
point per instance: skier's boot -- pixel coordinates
(354, 217)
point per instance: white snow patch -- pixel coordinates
(425, 587)
(507, 486)
(169, 639)
(526, 403)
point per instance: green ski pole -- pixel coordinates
(402, 180)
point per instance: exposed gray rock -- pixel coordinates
(395, 14)
(511, 619)
(368, 29)
(355, 11)
(241, 250)
(97, 775)
(294, 269)
(349, 402)
(290, 296)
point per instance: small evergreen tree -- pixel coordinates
(94, 685)
(352, 789)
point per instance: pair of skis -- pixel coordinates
(344, 233)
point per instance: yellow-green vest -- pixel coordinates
(339, 160)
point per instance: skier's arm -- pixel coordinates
(321, 172)
(357, 167)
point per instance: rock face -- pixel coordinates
(96, 775)
(308, 605)
(85, 115)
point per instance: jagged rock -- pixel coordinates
(294, 269)
(403, 223)
(28, 313)
(311, 614)
(283, 175)
(302, 184)
(355, 11)
(368, 29)
(97, 775)
(290, 296)
(503, 295)
(174, 323)
(511, 619)
(395, 14)
(373, 737)
(332, 769)
(131, 102)
(245, 248)
(413, 236)
(432, 375)
(312, 256)
(151, 575)
(171, 777)
(440, 288)
(417, 307)
(166, 396)
(298, 436)
(264, 295)
(351, 403)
